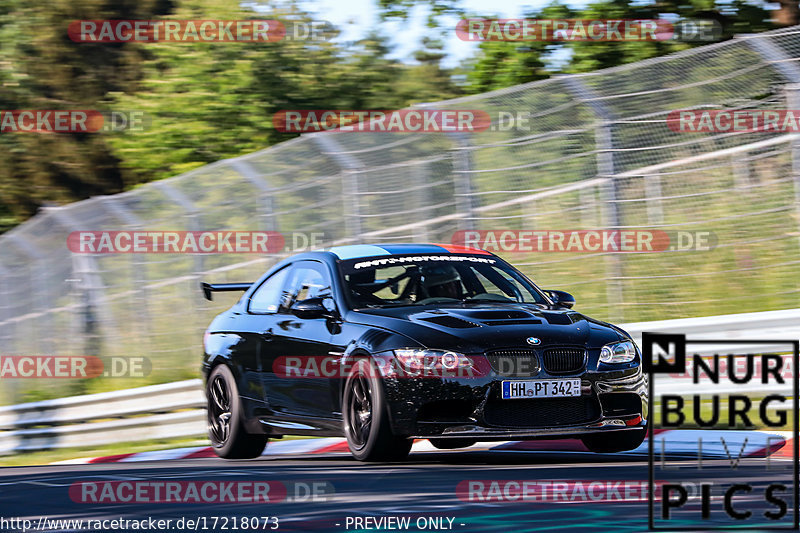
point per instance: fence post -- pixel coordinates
(266, 193)
(788, 68)
(420, 195)
(350, 167)
(604, 146)
(195, 302)
(462, 167)
(793, 101)
(114, 206)
(91, 301)
(192, 214)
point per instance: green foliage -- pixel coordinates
(41, 68)
(400, 9)
(500, 64)
(206, 102)
(202, 102)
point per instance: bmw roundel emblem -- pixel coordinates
(534, 340)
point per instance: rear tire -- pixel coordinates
(613, 442)
(452, 444)
(365, 417)
(229, 439)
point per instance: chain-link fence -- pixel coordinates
(596, 153)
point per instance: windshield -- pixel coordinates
(423, 280)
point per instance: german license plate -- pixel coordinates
(541, 388)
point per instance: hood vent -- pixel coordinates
(558, 319)
(451, 322)
(496, 315)
(512, 322)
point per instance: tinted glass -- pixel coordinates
(422, 280)
(266, 299)
(306, 280)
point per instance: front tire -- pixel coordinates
(619, 441)
(229, 439)
(365, 417)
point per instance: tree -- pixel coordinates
(213, 101)
(501, 64)
(203, 101)
(44, 69)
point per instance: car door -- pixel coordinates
(260, 320)
(307, 340)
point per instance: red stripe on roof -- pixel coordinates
(455, 249)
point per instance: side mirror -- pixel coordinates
(313, 308)
(561, 298)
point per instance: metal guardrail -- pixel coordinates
(164, 398)
(767, 325)
(163, 411)
(176, 409)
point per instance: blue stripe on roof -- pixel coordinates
(414, 249)
(358, 250)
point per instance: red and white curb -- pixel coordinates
(685, 442)
(669, 443)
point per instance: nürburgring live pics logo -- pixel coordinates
(734, 389)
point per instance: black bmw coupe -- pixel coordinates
(383, 344)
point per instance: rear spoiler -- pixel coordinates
(208, 288)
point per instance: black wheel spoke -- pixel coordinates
(358, 391)
(359, 411)
(219, 412)
(219, 395)
(215, 395)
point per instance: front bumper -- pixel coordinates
(500, 433)
(469, 407)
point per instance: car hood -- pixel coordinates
(476, 328)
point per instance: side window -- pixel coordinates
(267, 297)
(307, 280)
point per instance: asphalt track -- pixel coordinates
(423, 486)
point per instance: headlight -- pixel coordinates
(418, 360)
(618, 352)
